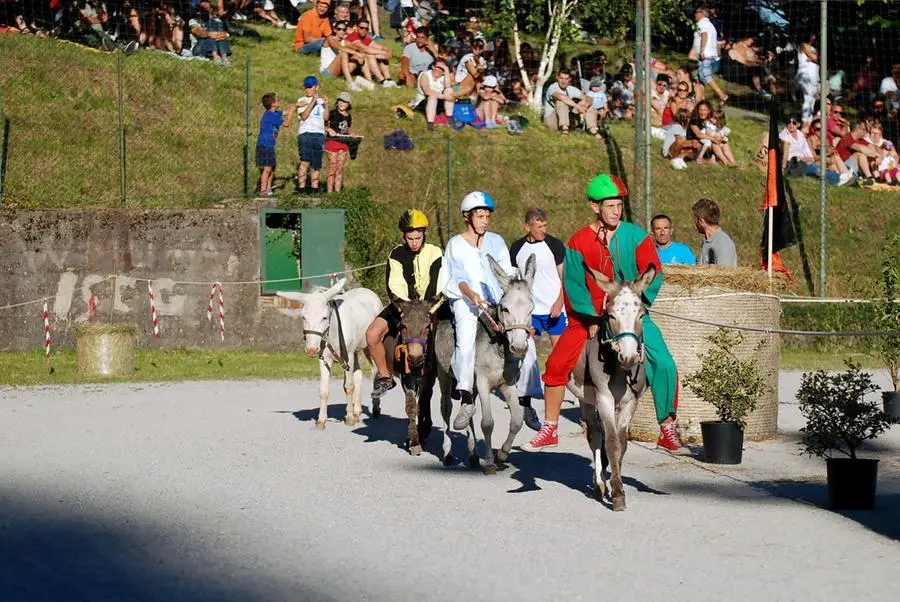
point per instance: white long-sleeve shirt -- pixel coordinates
(465, 263)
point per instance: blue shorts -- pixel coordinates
(312, 148)
(706, 69)
(265, 157)
(549, 325)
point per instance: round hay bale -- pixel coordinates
(105, 349)
(735, 297)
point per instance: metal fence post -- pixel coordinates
(648, 88)
(823, 149)
(121, 87)
(449, 187)
(641, 98)
(247, 118)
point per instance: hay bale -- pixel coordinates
(728, 296)
(105, 349)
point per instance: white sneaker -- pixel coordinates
(388, 83)
(678, 163)
(355, 87)
(239, 17)
(290, 26)
(658, 133)
(845, 177)
(364, 82)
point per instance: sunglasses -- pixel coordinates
(793, 122)
(340, 29)
(682, 89)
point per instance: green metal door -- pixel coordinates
(322, 248)
(299, 242)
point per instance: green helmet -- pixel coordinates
(606, 186)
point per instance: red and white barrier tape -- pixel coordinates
(209, 308)
(154, 317)
(46, 316)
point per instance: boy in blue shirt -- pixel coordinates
(669, 251)
(272, 120)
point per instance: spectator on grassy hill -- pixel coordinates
(705, 49)
(564, 101)
(209, 35)
(469, 72)
(417, 58)
(434, 87)
(833, 159)
(339, 124)
(371, 13)
(798, 158)
(745, 63)
(92, 20)
(269, 125)
(717, 247)
(312, 111)
(312, 29)
(676, 145)
(342, 13)
(890, 124)
(490, 100)
(836, 122)
(595, 116)
(659, 99)
(680, 100)
(164, 28)
(885, 164)
(855, 151)
(338, 58)
(807, 78)
(669, 251)
(378, 57)
(865, 86)
(625, 83)
(714, 141)
(890, 87)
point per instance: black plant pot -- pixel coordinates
(851, 483)
(892, 405)
(723, 442)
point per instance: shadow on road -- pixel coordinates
(51, 553)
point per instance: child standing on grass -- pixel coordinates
(271, 121)
(339, 123)
(312, 111)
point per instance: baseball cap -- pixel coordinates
(597, 82)
(310, 81)
(490, 81)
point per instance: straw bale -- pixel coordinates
(105, 349)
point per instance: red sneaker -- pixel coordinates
(546, 438)
(669, 441)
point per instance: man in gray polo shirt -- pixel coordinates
(717, 247)
(417, 57)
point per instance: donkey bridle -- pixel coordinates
(324, 343)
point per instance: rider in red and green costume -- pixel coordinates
(623, 251)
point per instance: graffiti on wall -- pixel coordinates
(73, 291)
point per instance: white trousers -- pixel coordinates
(530, 374)
(465, 319)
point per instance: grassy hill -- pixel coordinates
(186, 129)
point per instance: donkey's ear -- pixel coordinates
(530, 268)
(334, 290)
(401, 305)
(499, 272)
(603, 281)
(434, 303)
(646, 279)
(293, 296)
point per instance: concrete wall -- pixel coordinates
(67, 254)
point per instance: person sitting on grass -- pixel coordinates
(211, 38)
(676, 145)
(338, 58)
(312, 111)
(434, 87)
(470, 72)
(312, 29)
(491, 100)
(563, 101)
(596, 114)
(417, 58)
(378, 57)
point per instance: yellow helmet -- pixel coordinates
(413, 219)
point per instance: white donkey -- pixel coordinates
(610, 377)
(335, 326)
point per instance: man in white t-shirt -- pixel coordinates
(549, 313)
(563, 100)
(706, 50)
(889, 87)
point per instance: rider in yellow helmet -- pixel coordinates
(415, 271)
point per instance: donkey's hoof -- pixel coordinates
(448, 460)
(618, 504)
(320, 425)
(490, 469)
(350, 420)
(376, 408)
(415, 450)
(600, 491)
(502, 456)
(474, 461)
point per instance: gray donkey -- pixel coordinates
(411, 357)
(498, 357)
(610, 377)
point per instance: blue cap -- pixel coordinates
(310, 81)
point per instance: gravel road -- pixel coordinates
(223, 491)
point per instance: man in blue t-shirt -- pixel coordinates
(670, 252)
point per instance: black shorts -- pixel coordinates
(391, 315)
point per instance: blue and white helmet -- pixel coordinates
(477, 200)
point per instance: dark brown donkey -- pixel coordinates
(412, 351)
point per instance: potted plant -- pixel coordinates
(733, 387)
(888, 347)
(839, 419)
